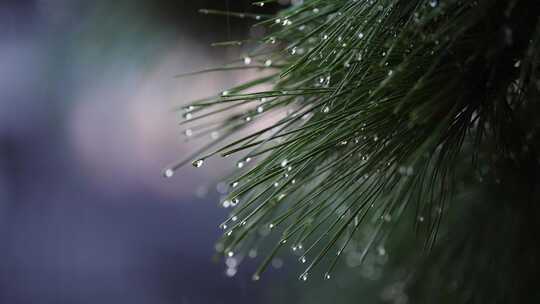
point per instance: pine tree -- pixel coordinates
(408, 127)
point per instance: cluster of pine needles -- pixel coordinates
(374, 107)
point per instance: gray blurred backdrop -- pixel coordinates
(86, 89)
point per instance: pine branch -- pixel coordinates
(383, 104)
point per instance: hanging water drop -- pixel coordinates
(168, 173)
(268, 63)
(247, 60)
(198, 163)
(230, 272)
(188, 132)
(433, 3)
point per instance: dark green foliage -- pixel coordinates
(399, 121)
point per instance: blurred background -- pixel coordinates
(86, 92)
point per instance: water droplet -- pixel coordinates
(271, 226)
(327, 276)
(230, 254)
(234, 184)
(168, 173)
(381, 251)
(260, 109)
(433, 3)
(256, 277)
(261, 4)
(303, 259)
(326, 109)
(272, 40)
(247, 60)
(276, 184)
(294, 50)
(361, 35)
(240, 164)
(304, 277)
(284, 163)
(268, 63)
(225, 93)
(252, 253)
(230, 272)
(188, 132)
(277, 263)
(315, 10)
(188, 116)
(198, 163)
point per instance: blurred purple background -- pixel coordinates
(86, 89)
